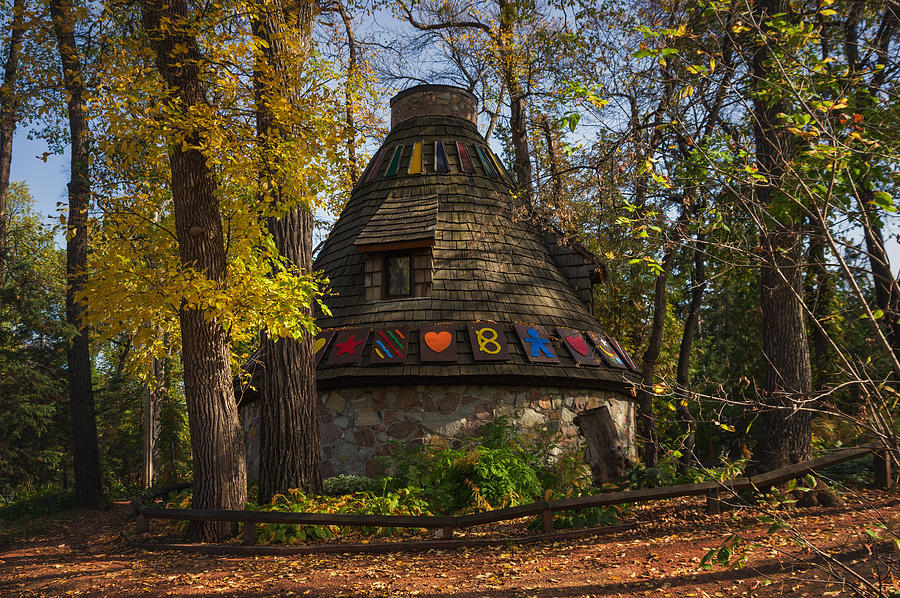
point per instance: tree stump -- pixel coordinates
(604, 452)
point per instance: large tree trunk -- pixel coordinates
(220, 477)
(85, 453)
(289, 427)
(682, 376)
(518, 126)
(784, 433)
(8, 112)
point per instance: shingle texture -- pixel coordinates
(490, 263)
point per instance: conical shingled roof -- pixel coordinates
(489, 262)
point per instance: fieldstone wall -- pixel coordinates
(361, 423)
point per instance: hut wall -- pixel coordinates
(360, 423)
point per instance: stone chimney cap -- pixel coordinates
(433, 100)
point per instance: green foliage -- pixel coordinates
(399, 502)
(666, 473)
(351, 484)
(498, 467)
(38, 503)
(578, 519)
(33, 338)
(463, 479)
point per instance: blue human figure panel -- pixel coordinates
(536, 342)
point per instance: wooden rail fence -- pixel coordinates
(713, 490)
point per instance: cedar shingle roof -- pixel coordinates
(490, 263)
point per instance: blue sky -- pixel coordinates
(46, 180)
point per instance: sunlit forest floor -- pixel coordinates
(83, 553)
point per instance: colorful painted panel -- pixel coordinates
(320, 344)
(395, 161)
(624, 354)
(607, 351)
(465, 162)
(440, 158)
(578, 347)
(485, 163)
(488, 341)
(348, 346)
(536, 342)
(498, 164)
(415, 163)
(389, 345)
(437, 343)
(375, 165)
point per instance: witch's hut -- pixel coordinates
(451, 306)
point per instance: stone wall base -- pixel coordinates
(359, 424)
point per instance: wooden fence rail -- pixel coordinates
(713, 490)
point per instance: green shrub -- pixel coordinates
(578, 519)
(349, 484)
(399, 502)
(45, 501)
(475, 478)
(500, 465)
(859, 472)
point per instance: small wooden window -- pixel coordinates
(398, 279)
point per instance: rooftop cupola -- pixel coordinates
(433, 100)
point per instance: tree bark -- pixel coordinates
(220, 478)
(85, 452)
(682, 374)
(349, 93)
(887, 291)
(552, 158)
(518, 126)
(646, 418)
(784, 434)
(289, 427)
(8, 113)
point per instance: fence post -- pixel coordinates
(713, 503)
(547, 516)
(141, 525)
(249, 533)
(446, 532)
(882, 461)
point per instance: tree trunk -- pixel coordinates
(349, 93)
(887, 291)
(220, 479)
(682, 375)
(784, 434)
(8, 109)
(604, 451)
(518, 126)
(85, 453)
(552, 158)
(646, 418)
(289, 427)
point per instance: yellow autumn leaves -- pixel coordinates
(137, 282)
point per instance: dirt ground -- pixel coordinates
(84, 554)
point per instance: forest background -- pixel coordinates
(724, 160)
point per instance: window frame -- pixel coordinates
(385, 274)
